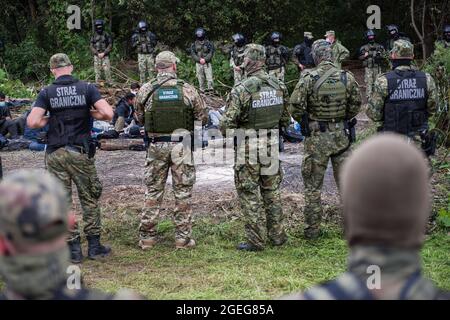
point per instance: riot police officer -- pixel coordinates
(393, 35)
(101, 46)
(404, 98)
(277, 56)
(202, 52)
(372, 55)
(237, 56)
(71, 105)
(144, 42)
(302, 53)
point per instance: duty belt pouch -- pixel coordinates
(322, 126)
(90, 147)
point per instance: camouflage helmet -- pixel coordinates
(165, 59)
(33, 208)
(403, 49)
(321, 50)
(255, 52)
(59, 60)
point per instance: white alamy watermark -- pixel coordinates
(74, 20)
(374, 20)
(74, 277)
(374, 280)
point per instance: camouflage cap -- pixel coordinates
(165, 59)
(255, 52)
(330, 33)
(308, 34)
(59, 60)
(403, 49)
(33, 208)
(321, 50)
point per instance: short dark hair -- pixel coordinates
(2, 95)
(135, 85)
(130, 96)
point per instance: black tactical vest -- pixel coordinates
(405, 109)
(274, 58)
(70, 118)
(144, 43)
(238, 55)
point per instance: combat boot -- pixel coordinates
(76, 254)
(95, 249)
(184, 243)
(148, 243)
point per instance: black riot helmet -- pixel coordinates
(142, 26)
(238, 39)
(200, 33)
(370, 35)
(275, 37)
(447, 32)
(99, 25)
(392, 30)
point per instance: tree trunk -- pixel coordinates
(93, 15)
(416, 29)
(33, 10)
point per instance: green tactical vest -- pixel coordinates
(100, 42)
(266, 104)
(329, 100)
(168, 111)
(144, 44)
(274, 60)
(201, 49)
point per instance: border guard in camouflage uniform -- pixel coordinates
(372, 55)
(144, 42)
(385, 192)
(237, 57)
(277, 56)
(404, 98)
(202, 52)
(168, 106)
(71, 105)
(258, 103)
(101, 46)
(34, 258)
(325, 101)
(340, 53)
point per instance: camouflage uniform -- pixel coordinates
(329, 140)
(277, 57)
(372, 64)
(34, 214)
(376, 104)
(203, 49)
(102, 43)
(165, 156)
(340, 53)
(70, 166)
(236, 60)
(145, 43)
(258, 192)
(385, 197)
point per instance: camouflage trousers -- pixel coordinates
(204, 76)
(320, 147)
(68, 167)
(146, 67)
(161, 158)
(102, 65)
(370, 75)
(260, 201)
(238, 76)
(278, 73)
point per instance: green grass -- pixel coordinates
(215, 270)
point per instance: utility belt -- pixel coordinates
(90, 148)
(156, 139)
(324, 126)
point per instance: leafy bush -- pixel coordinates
(14, 88)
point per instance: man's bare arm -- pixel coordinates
(37, 119)
(103, 111)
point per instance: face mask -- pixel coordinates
(35, 276)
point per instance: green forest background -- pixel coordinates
(33, 30)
